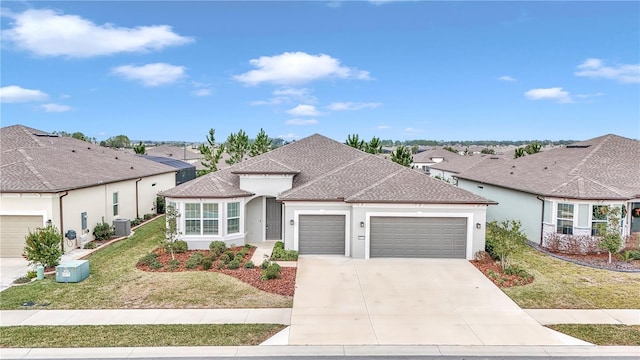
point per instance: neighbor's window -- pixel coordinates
(598, 220)
(565, 219)
(192, 219)
(233, 217)
(210, 219)
(115, 203)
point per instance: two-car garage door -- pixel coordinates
(13, 229)
(418, 237)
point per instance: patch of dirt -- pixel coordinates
(492, 270)
(285, 285)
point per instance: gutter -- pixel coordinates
(541, 220)
(137, 207)
(62, 220)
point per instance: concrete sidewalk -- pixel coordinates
(283, 351)
(579, 316)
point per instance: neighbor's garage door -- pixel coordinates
(418, 237)
(13, 229)
(321, 234)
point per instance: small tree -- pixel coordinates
(171, 230)
(374, 146)
(520, 152)
(402, 155)
(42, 247)
(355, 142)
(533, 148)
(140, 149)
(612, 239)
(211, 154)
(261, 144)
(504, 240)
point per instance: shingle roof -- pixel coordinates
(34, 161)
(606, 167)
(174, 152)
(331, 171)
(266, 166)
(458, 164)
(427, 156)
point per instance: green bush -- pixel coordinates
(239, 257)
(242, 252)
(230, 254)
(173, 264)
(224, 258)
(247, 246)
(233, 264)
(148, 259)
(103, 231)
(135, 222)
(31, 274)
(217, 248)
(155, 265)
(249, 265)
(629, 255)
(179, 246)
(265, 264)
(284, 255)
(193, 261)
(90, 245)
(278, 245)
(517, 271)
(148, 216)
(271, 272)
(504, 240)
(42, 247)
(206, 263)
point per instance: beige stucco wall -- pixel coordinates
(29, 204)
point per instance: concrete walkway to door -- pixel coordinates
(405, 302)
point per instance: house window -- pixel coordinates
(598, 220)
(210, 219)
(192, 218)
(115, 203)
(233, 218)
(83, 220)
(565, 219)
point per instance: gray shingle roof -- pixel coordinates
(330, 171)
(459, 163)
(34, 161)
(606, 167)
(427, 156)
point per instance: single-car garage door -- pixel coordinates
(418, 237)
(321, 234)
(13, 229)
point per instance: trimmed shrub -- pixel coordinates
(239, 257)
(155, 265)
(90, 245)
(265, 264)
(173, 264)
(278, 245)
(284, 255)
(271, 272)
(206, 263)
(103, 231)
(233, 264)
(217, 248)
(224, 258)
(193, 261)
(148, 259)
(249, 265)
(42, 247)
(180, 246)
(31, 274)
(135, 222)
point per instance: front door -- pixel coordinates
(274, 219)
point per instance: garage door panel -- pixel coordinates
(13, 229)
(321, 234)
(418, 237)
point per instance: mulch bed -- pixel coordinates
(492, 270)
(595, 260)
(285, 285)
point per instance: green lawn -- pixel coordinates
(602, 334)
(136, 335)
(115, 283)
(563, 285)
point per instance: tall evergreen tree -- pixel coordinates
(261, 144)
(374, 146)
(355, 142)
(237, 147)
(402, 155)
(212, 155)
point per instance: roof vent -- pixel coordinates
(578, 146)
(73, 150)
(132, 168)
(511, 173)
(116, 158)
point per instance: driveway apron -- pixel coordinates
(347, 301)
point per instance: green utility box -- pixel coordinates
(72, 271)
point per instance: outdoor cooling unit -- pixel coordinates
(122, 227)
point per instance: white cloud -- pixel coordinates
(17, 94)
(555, 94)
(382, 127)
(304, 110)
(292, 68)
(151, 74)
(201, 92)
(289, 136)
(55, 107)
(411, 130)
(596, 69)
(587, 96)
(302, 122)
(342, 106)
(288, 95)
(506, 78)
(47, 32)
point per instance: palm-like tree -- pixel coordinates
(354, 141)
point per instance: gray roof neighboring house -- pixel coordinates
(429, 155)
(32, 160)
(326, 170)
(458, 164)
(605, 168)
(174, 152)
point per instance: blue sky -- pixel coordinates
(396, 70)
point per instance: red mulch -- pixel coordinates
(487, 265)
(285, 285)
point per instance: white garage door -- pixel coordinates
(418, 237)
(321, 234)
(13, 229)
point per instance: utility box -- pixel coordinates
(122, 227)
(72, 271)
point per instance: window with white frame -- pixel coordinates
(210, 219)
(233, 218)
(115, 203)
(565, 219)
(192, 219)
(599, 220)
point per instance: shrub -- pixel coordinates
(103, 231)
(206, 263)
(90, 245)
(148, 216)
(224, 258)
(233, 264)
(239, 257)
(193, 261)
(155, 265)
(249, 265)
(217, 248)
(265, 264)
(505, 239)
(247, 246)
(284, 255)
(517, 271)
(242, 252)
(180, 246)
(135, 222)
(230, 254)
(42, 247)
(271, 272)
(31, 274)
(173, 264)
(278, 245)
(148, 259)
(629, 255)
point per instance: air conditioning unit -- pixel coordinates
(122, 227)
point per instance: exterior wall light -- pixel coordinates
(362, 224)
(478, 225)
(291, 222)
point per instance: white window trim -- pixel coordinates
(574, 216)
(223, 233)
(227, 217)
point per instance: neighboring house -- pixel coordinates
(449, 168)
(424, 160)
(323, 197)
(184, 170)
(563, 190)
(71, 184)
(187, 154)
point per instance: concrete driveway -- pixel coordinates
(11, 269)
(405, 302)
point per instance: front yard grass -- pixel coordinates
(602, 334)
(560, 284)
(115, 283)
(136, 335)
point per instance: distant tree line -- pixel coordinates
(472, 142)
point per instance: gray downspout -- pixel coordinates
(62, 219)
(137, 207)
(541, 220)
